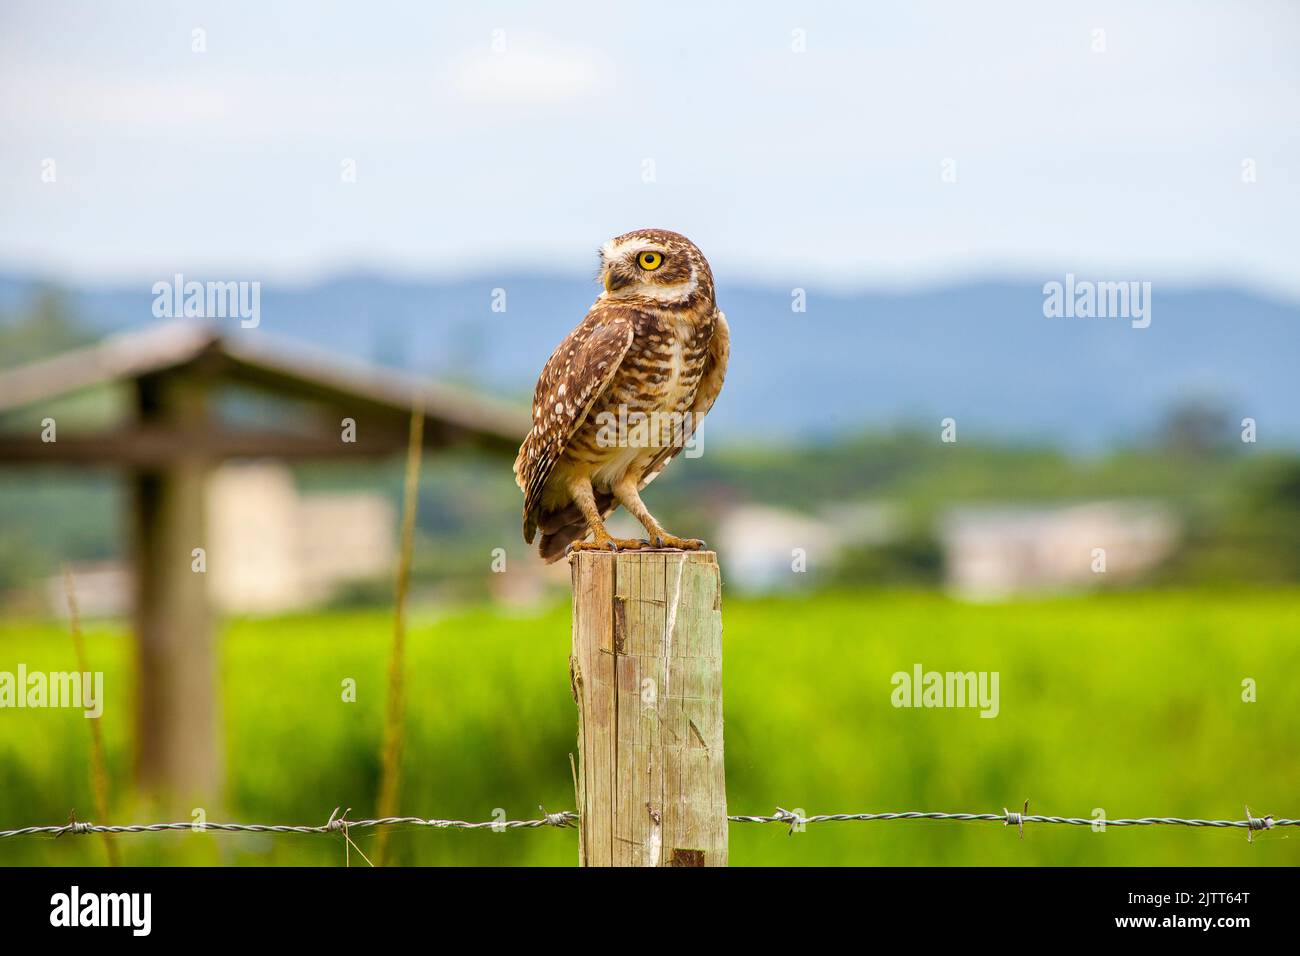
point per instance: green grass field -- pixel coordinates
(1127, 702)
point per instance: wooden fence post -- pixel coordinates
(647, 677)
(178, 751)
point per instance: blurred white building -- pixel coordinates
(993, 552)
(767, 549)
(275, 550)
(269, 548)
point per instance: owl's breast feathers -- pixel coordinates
(621, 360)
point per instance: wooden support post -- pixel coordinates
(647, 677)
(177, 764)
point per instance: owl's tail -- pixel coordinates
(563, 527)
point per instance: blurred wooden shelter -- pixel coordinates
(192, 396)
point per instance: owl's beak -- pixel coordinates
(615, 280)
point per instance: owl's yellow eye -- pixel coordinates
(650, 261)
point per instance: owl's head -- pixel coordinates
(655, 266)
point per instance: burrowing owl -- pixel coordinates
(622, 395)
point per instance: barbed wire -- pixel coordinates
(338, 823)
(1011, 818)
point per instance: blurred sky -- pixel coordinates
(792, 168)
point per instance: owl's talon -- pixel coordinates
(598, 544)
(629, 544)
(670, 542)
(606, 543)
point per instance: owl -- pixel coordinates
(622, 395)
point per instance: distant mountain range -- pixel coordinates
(983, 354)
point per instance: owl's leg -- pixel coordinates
(585, 498)
(630, 498)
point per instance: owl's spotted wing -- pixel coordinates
(715, 370)
(576, 374)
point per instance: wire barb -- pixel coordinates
(1017, 818)
(73, 826)
(1256, 823)
(561, 819)
(797, 823)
